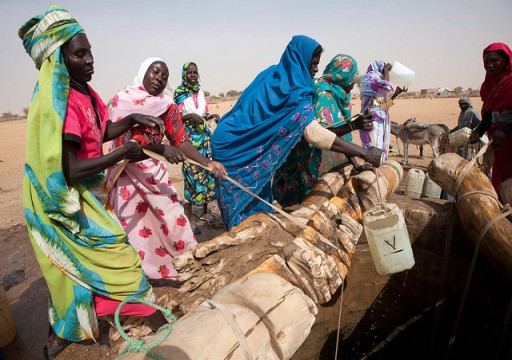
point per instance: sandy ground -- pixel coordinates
(19, 271)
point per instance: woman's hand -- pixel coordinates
(360, 168)
(151, 121)
(195, 118)
(217, 170)
(400, 90)
(497, 139)
(174, 155)
(364, 122)
(132, 151)
(387, 67)
(214, 117)
(474, 137)
(373, 155)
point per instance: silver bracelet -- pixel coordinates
(350, 125)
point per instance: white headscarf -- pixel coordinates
(139, 78)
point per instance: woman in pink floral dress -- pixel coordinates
(143, 197)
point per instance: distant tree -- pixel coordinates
(206, 94)
(8, 114)
(25, 111)
(470, 90)
(458, 89)
(233, 93)
(221, 95)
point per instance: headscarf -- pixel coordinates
(72, 235)
(45, 33)
(372, 83)
(496, 91)
(465, 100)
(185, 90)
(143, 69)
(255, 137)
(42, 37)
(135, 99)
(338, 74)
(377, 66)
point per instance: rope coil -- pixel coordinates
(139, 345)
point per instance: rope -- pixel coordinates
(344, 121)
(139, 345)
(444, 273)
(506, 210)
(339, 320)
(242, 340)
(285, 214)
(468, 166)
(477, 192)
(470, 277)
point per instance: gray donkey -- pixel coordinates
(419, 133)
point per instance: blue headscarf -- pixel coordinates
(255, 137)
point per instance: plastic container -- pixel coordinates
(399, 172)
(460, 137)
(7, 325)
(484, 140)
(446, 196)
(400, 75)
(414, 183)
(431, 189)
(388, 239)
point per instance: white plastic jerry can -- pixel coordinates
(414, 183)
(460, 137)
(431, 189)
(388, 239)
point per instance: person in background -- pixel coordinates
(332, 103)
(496, 94)
(374, 89)
(143, 197)
(468, 118)
(82, 251)
(256, 136)
(199, 186)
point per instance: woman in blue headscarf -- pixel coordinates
(254, 139)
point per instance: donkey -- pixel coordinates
(419, 133)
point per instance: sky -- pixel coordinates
(231, 41)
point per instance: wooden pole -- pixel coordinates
(477, 205)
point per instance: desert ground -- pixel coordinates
(19, 272)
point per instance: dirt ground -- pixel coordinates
(19, 272)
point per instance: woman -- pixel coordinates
(199, 186)
(374, 89)
(496, 94)
(143, 197)
(295, 179)
(268, 120)
(82, 250)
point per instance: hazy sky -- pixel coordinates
(233, 40)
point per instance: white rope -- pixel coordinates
(285, 214)
(242, 340)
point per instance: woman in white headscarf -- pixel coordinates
(143, 197)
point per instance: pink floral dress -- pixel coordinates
(143, 197)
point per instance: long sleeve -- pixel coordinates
(485, 123)
(318, 136)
